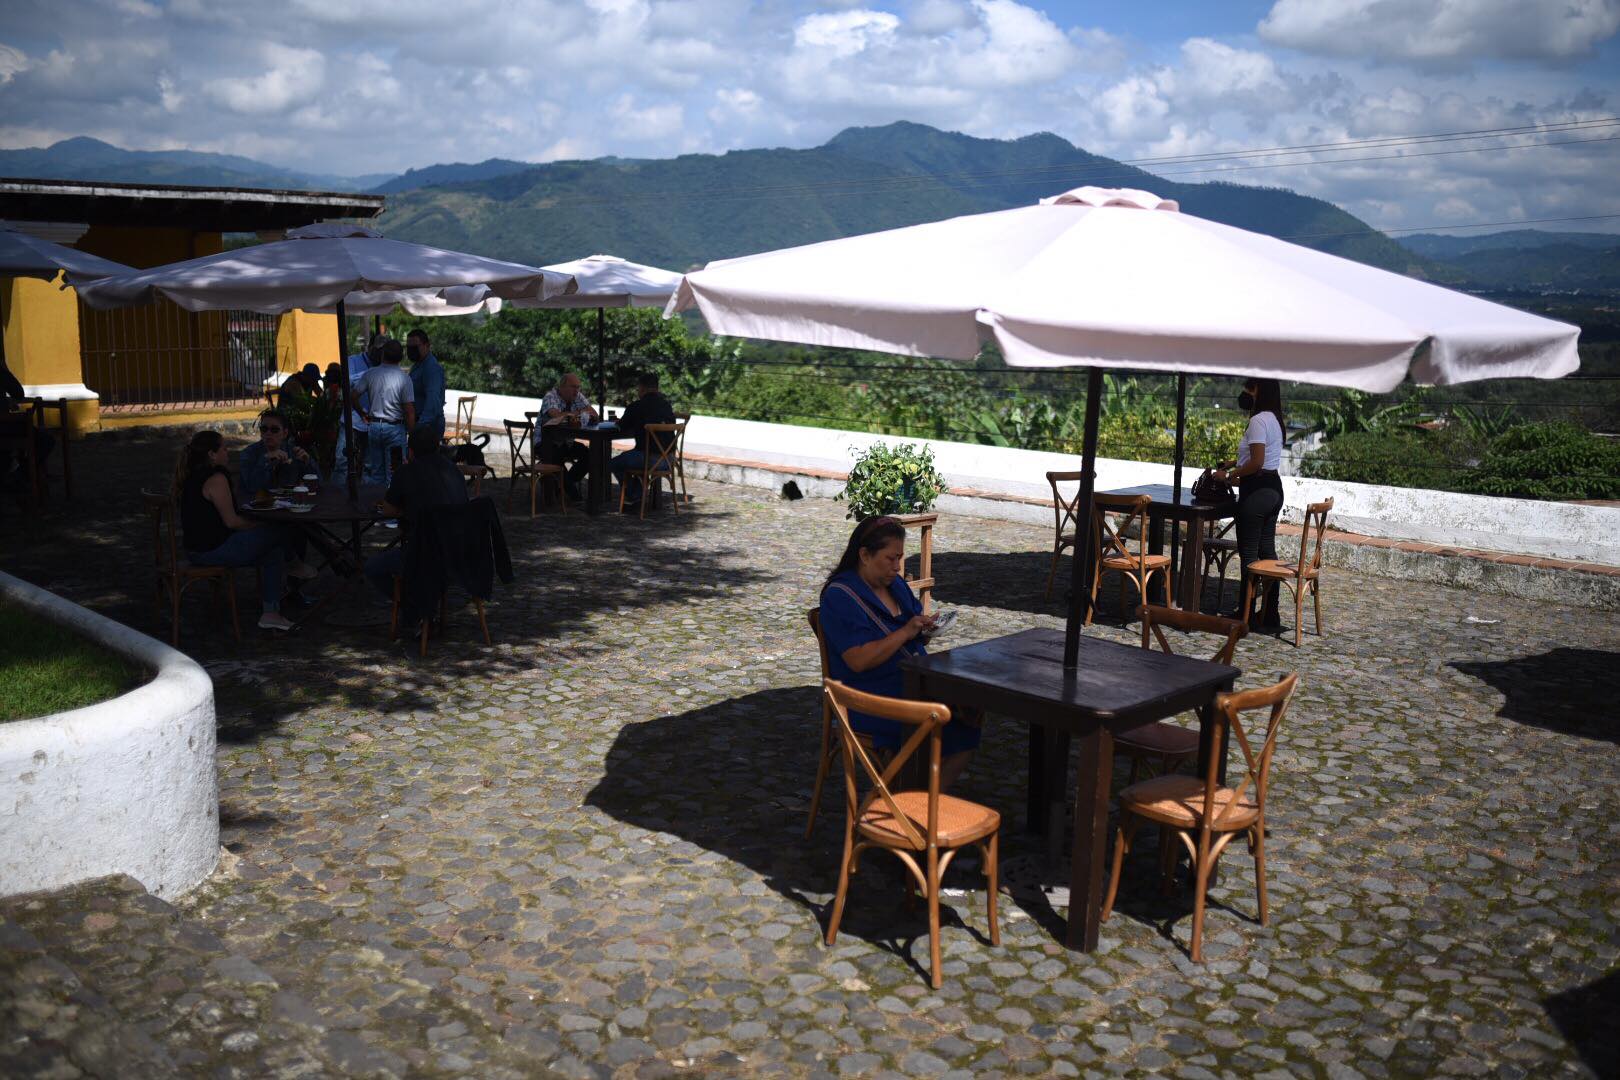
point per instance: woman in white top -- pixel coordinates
(1260, 491)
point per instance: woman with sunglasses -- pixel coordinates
(275, 460)
(872, 621)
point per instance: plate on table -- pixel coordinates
(300, 508)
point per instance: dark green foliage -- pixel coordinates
(1549, 461)
(1398, 457)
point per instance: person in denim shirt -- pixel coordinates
(427, 380)
(275, 460)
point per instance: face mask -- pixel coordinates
(1246, 401)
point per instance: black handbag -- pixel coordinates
(1209, 489)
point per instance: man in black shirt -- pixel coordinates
(428, 479)
(650, 407)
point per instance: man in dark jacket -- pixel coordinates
(650, 407)
(428, 479)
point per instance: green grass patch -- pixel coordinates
(45, 668)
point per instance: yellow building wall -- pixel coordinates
(302, 338)
(41, 334)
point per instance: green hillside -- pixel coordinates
(84, 158)
(686, 211)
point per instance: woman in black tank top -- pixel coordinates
(216, 535)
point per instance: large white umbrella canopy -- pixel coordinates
(22, 255)
(1122, 279)
(316, 268)
(456, 300)
(608, 281)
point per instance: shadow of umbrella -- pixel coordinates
(1570, 691)
(734, 778)
(1585, 1017)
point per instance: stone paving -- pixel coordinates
(579, 852)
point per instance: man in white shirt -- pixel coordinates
(391, 412)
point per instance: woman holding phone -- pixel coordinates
(872, 621)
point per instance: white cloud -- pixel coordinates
(1443, 31)
(11, 62)
(845, 33)
(294, 76)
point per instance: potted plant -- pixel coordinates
(892, 479)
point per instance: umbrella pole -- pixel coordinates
(1080, 589)
(350, 452)
(1181, 428)
(601, 361)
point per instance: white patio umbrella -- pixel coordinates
(1107, 278)
(608, 281)
(22, 255)
(317, 268)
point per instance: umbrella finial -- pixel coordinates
(1101, 196)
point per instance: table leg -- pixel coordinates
(1192, 567)
(1035, 810)
(1087, 861)
(596, 492)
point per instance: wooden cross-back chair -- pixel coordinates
(910, 824)
(682, 418)
(520, 445)
(1066, 514)
(1162, 743)
(1112, 518)
(1202, 813)
(1299, 575)
(1220, 548)
(172, 573)
(659, 463)
(830, 748)
(462, 429)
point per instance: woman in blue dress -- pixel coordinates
(871, 622)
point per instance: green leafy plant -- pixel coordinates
(1399, 457)
(892, 479)
(1548, 461)
(1352, 411)
(1483, 423)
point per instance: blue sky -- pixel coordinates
(365, 86)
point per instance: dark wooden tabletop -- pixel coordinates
(1162, 496)
(331, 505)
(1118, 685)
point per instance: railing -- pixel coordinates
(162, 357)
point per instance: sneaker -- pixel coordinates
(274, 620)
(301, 570)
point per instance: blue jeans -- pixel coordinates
(264, 547)
(382, 568)
(382, 438)
(340, 465)
(631, 461)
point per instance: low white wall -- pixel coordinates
(123, 787)
(1519, 526)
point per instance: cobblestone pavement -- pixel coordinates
(579, 850)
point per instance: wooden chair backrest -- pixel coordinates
(1315, 517)
(464, 418)
(661, 452)
(1229, 710)
(1155, 617)
(927, 717)
(1065, 511)
(682, 418)
(519, 434)
(1113, 515)
(165, 544)
(814, 615)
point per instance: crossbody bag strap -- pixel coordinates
(870, 614)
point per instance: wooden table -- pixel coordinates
(331, 510)
(1197, 516)
(1112, 689)
(599, 439)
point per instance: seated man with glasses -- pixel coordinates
(275, 460)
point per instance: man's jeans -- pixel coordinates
(264, 547)
(340, 467)
(383, 567)
(383, 438)
(631, 461)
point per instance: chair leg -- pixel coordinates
(484, 625)
(992, 858)
(821, 771)
(393, 614)
(1316, 602)
(1051, 575)
(1299, 614)
(1122, 844)
(843, 885)
(1096, 582)
(1200, 885)
(1167, 860)
(562, 496)
(1260, 866)
(534, 489)
(230, 599)
(935, 976)
(174, 596)
(646, 489)
(1248, 599)
(511, 490)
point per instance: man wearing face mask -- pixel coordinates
(1260, 490)
(427, 379)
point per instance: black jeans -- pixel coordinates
(559, 448)
(1260, 499)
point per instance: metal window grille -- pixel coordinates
(162, 357)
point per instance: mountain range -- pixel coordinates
(684, 211)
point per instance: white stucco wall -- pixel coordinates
(1520, 526)
(123, 787)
